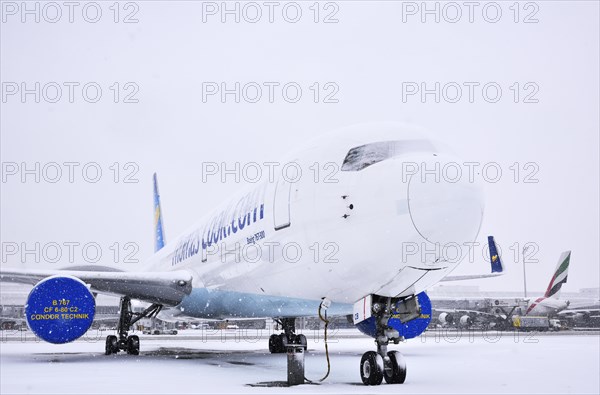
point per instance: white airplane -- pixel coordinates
(290, 248)
(550, 303)
(585, 313)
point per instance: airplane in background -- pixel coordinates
(550, 303)
(582, 314)
(233, 263)
(495, 310)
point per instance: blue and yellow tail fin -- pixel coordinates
(159, 233)
(496, 262)
(494, 256)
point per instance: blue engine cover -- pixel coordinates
(60, 309)
(408, 330)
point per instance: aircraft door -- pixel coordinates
(281, 204)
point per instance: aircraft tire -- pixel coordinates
(371, 368)
(133, 345)
(273, 339)
(282, 343)
(112, 346)
(301, 339)
(396, 371)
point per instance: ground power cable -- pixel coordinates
(325, 303)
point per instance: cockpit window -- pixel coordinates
(366, 155)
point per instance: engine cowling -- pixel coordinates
(581, 317)
(409, 329)
(465, 320)
(446, 318)
(60, 309)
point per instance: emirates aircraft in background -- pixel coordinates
(550, 304)
(291, 248)
(500, 310)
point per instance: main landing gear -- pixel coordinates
(383, 364)
(278, 343)
(131, 344)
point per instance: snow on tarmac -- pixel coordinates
(230, 363)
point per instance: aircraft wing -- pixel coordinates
(465, 311)
(568, 313)
(470, 277)
(166, 288)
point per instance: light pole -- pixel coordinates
(525, 248)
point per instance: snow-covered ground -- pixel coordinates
(229, 362)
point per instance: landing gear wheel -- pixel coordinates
(273, 341)
(112, 345)
(395, 370)
(277, 344)
(371, 368)
(133, 345)
(301, 340)
(282, 343)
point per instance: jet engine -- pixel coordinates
(60, 309)
(446, 319)
(465, 320)
(581, 317)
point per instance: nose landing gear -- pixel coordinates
(383, 364)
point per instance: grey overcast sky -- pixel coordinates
(543, 56)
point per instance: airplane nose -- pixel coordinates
(444, 207)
